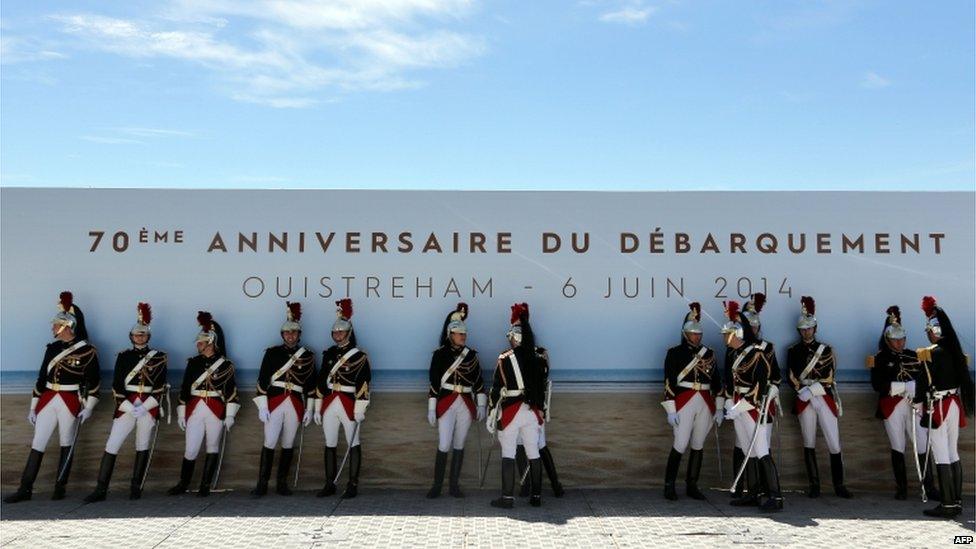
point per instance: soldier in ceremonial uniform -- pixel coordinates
(944, 395)
(287, 376)
(341, 398)
(208, 403)
(813, 370)
(894, 371)
(693, 399)
(139, 387)
(456, 398)
(542, 356)
(517, 404)
(65, 394)
(750, 404)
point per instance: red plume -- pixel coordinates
(66, 301)
(732, 310)
(758, 300)
(205, 320)
(894, 310)
(696, 309)
(295, 309)
(463, 309)
(145, 313)
(345, 307)
(929, 305)
(518, 310)
(808, 304)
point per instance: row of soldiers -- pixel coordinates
(291, 392)
(924, 396)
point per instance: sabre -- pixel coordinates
(352, 439)
(718, 454)
(525, 473)
(928, 439)
(152, 448)
(74, 440)
(220, 457)
(752, 443)
(918, 466)
(301, 442)
(480, 448)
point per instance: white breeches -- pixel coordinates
(524, 424)
(817, 412)
(202, 424)
(745, 427)
(123, 425)
(283, 424)
(945, 439)
(542, 437)
(694, 422)
(54, 414)
(899, 427)
(334, 416)
(452, 427)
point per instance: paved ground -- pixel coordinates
(404, 518)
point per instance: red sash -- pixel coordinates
(215, 404)
(70, 399)
(887, 405)
(754, 413)
(799, 405)
(276, 401)
(133, 397)
(683, 397)
(942, 410)
(509, 412)
(347, 402)
(445, 402)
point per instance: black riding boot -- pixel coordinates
(738, 456)
(209, 470)
(330, 473)
(535, 479)
(770, 479)
(753, 483)
(186, 473)
(507, 501)
(813, 472)
(947, 508)
(26, 487)
(837, 473)
(901, 477)
(522, 461)
(138, 473)
(65, 460)
(264, 472)
(284, 465)
(355, 460)
(440, 463)
(691, 477)
(931, 490)
(550, 466)
(104, 477)
(457, 458)
(957, 481)
(671, 474)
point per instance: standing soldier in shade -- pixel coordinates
(750, 404)
(287, 375)
(813, 370)
(139, 387)
(693, 399)
(342, 393)
(64, 396)
(456, 397)
(517, 404)
(944, 396)
(894, 371)
(208, 403)
(542, 356)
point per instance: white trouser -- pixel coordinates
(202, 422)
(945, 439)
(816, 412)
(282, 424)
(542, 437)
(452, 427)
(54, 414)
(745, 427)
(899, 425)
(694, 422)
(335, 415)
(524, 424)
(123, 425)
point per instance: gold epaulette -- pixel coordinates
(506, 354)
(869, 362)
(924, 354)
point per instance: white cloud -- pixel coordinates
(874, 81)
(16, 49)
(152, 132)
(112, 140)
(632, 12)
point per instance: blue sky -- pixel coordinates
(466, 94)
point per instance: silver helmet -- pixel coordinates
(732, 327)
(807, 309)
(893, 328)
(208, 331)
(519, 311)
(66, 313)
(930, 307)
(692, 323)
(456, 320)
(752, 309)
(143, 318)
(343, 315)
(293, 316)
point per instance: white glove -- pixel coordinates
(432, 411)
(181, 417)
(673, 420)
(307, 418)
(317, 417)
(138, 410)
(804, 394)
(483, 412)
(32, 413)
(733, 413)
(919, 409)
(898, 388)
(910, 389)
(85, 414)
(264, 415)
(772, 391)
(229, 422)
(719, 416)
(359, 413)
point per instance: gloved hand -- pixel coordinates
(85, 414)
(910, 389)
(360, 416)
(138, 410)
(673, 420)
(229, 422)
(732, 413)
(181, 416)
(919, 409)
(483, 413)
(719, 416)
(804, 395)
(773, 391)
(32, 417)
(264, 415)
(317, 417)
(307, 418)
(432, 418)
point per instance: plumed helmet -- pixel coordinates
(143, 319)
(692, 322)
(807, 309)
(343, 322)
(293, 317)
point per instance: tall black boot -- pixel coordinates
(209, 470)
(738, 456)
(837, 473)
(507, 501)
(355, 461)
(931, 490)
(535, 479)
(284, 464)
(770, 479)
(138, 473)
(64, 470)
(104, 477)
(264, 472)
(957, 483)
(330, 473)
(440, 463)
(457, 458)
(671, 474)
(186, 473)
(26, 487)
(901, 477)
(691, 477)
(550, 466)
(813, 472)
(522, 461)
(947, 508)
(753, 485)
